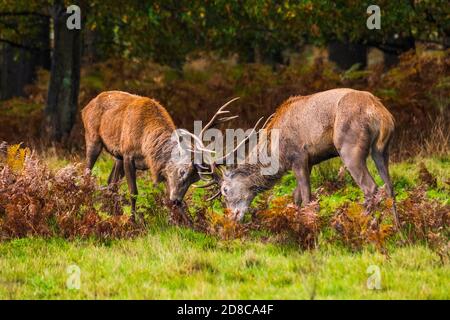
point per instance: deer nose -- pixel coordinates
(174, 198)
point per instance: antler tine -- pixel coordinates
(200, 145)
(209, 184)
(226, 119)
(241, 143)
(219, 112)
(205, 180)
(202, 167)
(214, 196)
(193, 151)
(267, 121)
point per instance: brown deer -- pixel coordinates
(339, 122)
(138, 132)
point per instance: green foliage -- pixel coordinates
(174, 264)
(169, 30)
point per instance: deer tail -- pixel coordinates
(386, 126)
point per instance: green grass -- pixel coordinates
(178, 263)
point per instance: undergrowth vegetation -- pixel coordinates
(70, 203)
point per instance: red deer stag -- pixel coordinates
(138, 132)
(339, 122)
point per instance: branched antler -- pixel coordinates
(223, 159)
(215, 121)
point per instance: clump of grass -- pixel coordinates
(421, 220)
(36, 201)
(356, 226)
(437, 141)
(426, 177)
(301, 223)
(330, 176)
(178, 214)
(426, 220)
(223, 226)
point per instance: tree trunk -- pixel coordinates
(18, 64)
(62, 102)
(346, 55)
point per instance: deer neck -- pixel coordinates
(158, 152)
(256, 177)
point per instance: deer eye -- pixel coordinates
(182, 172)
(224, 190)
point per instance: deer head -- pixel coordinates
(181, 171)
(237, 184)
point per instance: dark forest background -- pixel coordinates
(194, 55)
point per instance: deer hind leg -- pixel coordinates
(302, 172)
(111, 175)
(130, 173)
(93, 150)
(381, 159)
(354, 157)
(117, 172)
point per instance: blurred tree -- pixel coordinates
(62, 101)
(24, 45)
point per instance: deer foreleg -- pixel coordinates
(130, 173)
(302, 172)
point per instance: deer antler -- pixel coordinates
(214, 121)
(199, 146)
(214, 196)
(198, 142)
(206, 185)
(266, 122)
(212, 182)
(239, 144)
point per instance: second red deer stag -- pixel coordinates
(340, 122)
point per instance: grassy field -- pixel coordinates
(168, 262)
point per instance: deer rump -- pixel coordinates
(332, 123)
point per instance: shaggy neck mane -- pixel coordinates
(159, 149)
(253, 171)
(259, 181)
